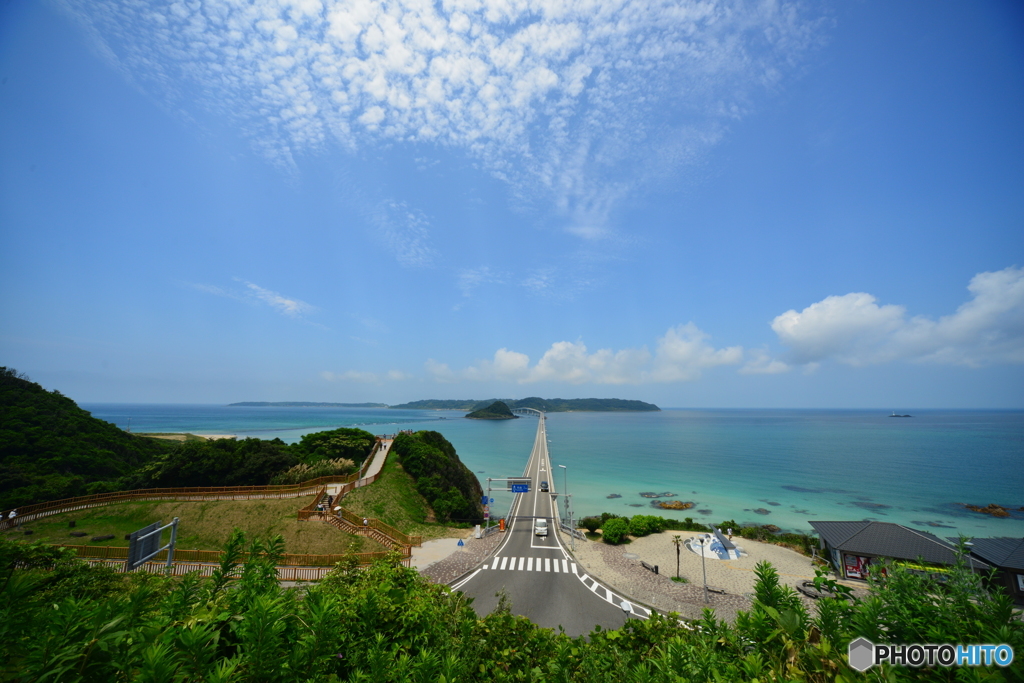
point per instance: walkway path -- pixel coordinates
(372, 470)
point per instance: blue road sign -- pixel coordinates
(492, 500)
(461, 543)
(520, 488)
(484, 500)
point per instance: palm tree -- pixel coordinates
(677, 541)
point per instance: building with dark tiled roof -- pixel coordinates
(1007, 556)
(852, 547)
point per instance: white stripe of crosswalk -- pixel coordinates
(533, 564)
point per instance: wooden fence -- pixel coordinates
(284, 573)
(29, 513)
(374, 528)
(107, 552)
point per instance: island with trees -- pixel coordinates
(496, 411)
(547, 405)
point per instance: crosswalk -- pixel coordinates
(532, 564)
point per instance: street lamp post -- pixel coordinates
(568, 513)
(704, 569)
(565, 487)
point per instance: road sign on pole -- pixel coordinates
(144, 544)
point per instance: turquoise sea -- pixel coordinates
(798, 465)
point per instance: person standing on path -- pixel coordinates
(10, 519)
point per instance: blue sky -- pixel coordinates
(733, 204)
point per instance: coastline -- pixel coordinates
(797, 465)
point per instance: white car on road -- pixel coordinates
(540, 527)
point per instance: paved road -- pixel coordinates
(539, 576)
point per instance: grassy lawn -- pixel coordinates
(393, 499)
(202, 526)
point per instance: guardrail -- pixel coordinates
(576, 533)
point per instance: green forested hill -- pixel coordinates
(50, 448)
(496, 411)
(450, 488)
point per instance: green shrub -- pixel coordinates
(644, 525)
(615, 530)
(591, 524)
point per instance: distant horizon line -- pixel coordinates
(663, 408)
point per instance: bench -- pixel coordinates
(648, 567)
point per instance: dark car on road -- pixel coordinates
(544, 486)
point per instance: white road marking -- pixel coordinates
(503, 561)
(521, 560)
(565, 567)
(547, 564)
(529, 564)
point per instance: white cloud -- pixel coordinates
(440, 372)
(680, 356)
(854, 329)
(471, 278)
(253, 293)
(760, 362)
(359, 377)
(405, 232)
(282, 304)
(683, 353)
(578, 102)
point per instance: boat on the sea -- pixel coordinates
(895, 415)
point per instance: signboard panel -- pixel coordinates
(141, 549)
(518, 481)
(520, 488)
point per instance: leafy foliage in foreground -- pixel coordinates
(387, 624)
(449, 487)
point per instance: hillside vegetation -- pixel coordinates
(52, 449)
(448, 486)
(547, 405)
